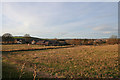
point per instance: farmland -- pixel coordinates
(20, 47)
(73, 62)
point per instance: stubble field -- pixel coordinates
(74, 62)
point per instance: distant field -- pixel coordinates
(74, 62)
(18, 46)
(25, 47)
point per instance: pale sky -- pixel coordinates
(60, 19)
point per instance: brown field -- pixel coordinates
(20, 47)
(74, 62)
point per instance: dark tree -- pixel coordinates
(7, 38)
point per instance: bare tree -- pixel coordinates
(27, 35)
(112, 40)
(27, 38)
(113, 37)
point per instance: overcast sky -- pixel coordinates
(60, 19)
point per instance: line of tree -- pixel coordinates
(7, 38)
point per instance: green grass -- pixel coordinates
(18, 37)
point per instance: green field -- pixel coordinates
(74, 62)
